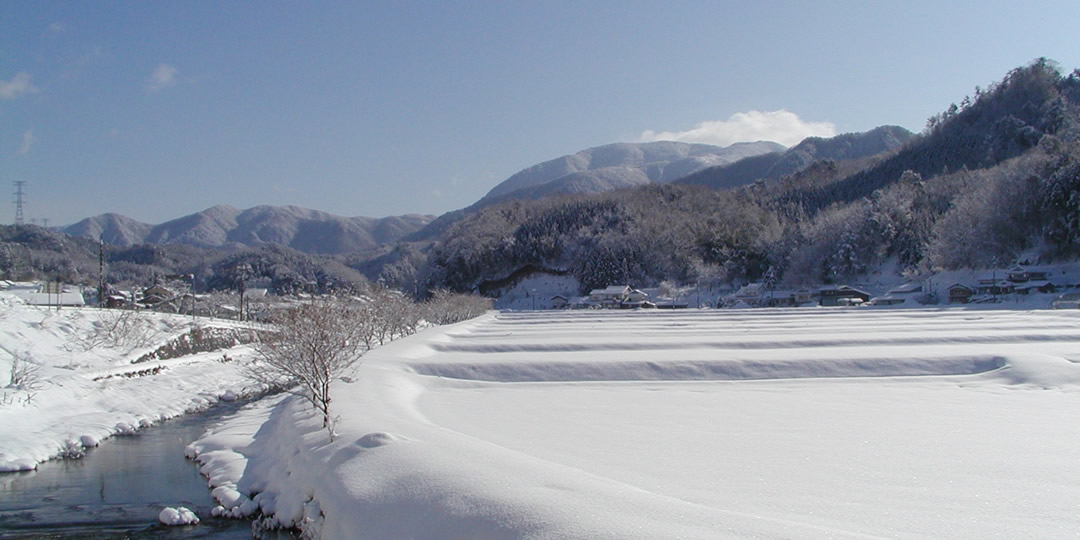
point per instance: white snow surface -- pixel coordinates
(177, 516)
(812, 423)
(86, 394)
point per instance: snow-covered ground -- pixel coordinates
(83, 386)
(803, 423)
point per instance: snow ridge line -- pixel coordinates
(712, 370)
(854, 340)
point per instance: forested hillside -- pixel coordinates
(29, 252)
(989, 180)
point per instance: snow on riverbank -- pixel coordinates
(766, 423)
(85, 389)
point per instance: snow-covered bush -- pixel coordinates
(25, 375)
(117, 328)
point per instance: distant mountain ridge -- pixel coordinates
(777, 165)
(303, 229)
(619, 165)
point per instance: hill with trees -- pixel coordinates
(303, 229)
(990, 181)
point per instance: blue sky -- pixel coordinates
(156, 110)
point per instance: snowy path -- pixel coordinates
(761, 424)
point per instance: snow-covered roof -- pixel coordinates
(610, 290)
(750, 289)
(1033, 284)
(906, 288)
(35, 294)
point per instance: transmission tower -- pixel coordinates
(19, 193)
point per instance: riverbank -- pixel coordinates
(694, 424)
(118, 489)
(77, 383)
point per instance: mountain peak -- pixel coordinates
(617, 165)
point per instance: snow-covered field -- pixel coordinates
(806, 423)
(82, 386)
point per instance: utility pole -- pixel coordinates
(19, 200)
(101, 273)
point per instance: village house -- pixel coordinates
(901, 294)
(610, 296)
(1022, 274)
(47, 294)
(619, 296)
(842, 295)
(748, 295)
(155, 295)
(1031, 287)
(1067, 301)
(995, 288)
(960, 293)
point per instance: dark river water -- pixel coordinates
(118, 489)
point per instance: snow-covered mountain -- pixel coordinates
(619, 165)
(303, 229)
(777, 165)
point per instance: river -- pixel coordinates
(118, 489)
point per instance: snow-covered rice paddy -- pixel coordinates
(804, 423)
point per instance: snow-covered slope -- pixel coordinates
(619, 165)
(83, 386)
(816, 423)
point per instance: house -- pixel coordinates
(906, 288)
(1067, 301)
(636, 295)
(1030, 287)
(156, 295)
(581, 302)
(779, 299)
(901, 294)
(803, 296)
(960, 293)
(47, 294)
(991, 277)
(117, 300)
(749, 294)
(610, 296)
(559, 301)
(636, 298)
(995, 288)
(1021, 274)
(889, 300)
(842, 295)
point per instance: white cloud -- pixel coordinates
(28, 140)
(780, 126)
(163, 77)
(19, 85)
(57, 27)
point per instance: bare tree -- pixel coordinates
(311, 345)
(25, 375)
(117, 328)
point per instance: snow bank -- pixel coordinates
(178, 516)
(86, 389)
(697, 424)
